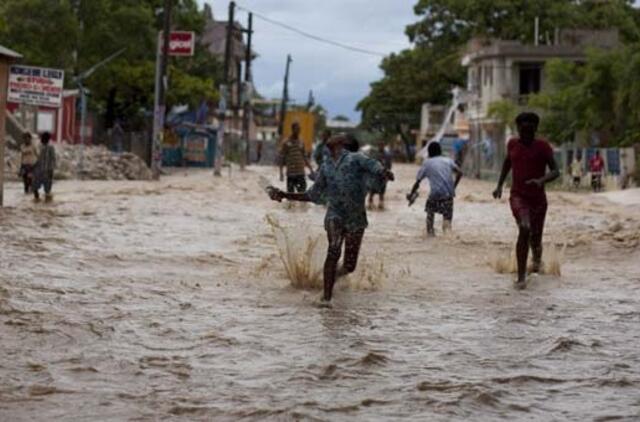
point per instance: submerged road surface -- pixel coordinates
(169, 301)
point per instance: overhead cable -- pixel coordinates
(312, 36)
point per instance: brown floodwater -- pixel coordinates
(170, 301)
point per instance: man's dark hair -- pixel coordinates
(351, 143)
(434, 149)
(45, 137)
(528, 116)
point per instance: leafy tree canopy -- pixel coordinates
(76, 34)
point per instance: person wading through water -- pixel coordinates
(342, 181)
(529, 158)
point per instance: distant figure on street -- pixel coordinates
(440, 172)
(292, 156)
(577, 171)
(342, 180)
(379, 187)
(117, 136)
(596, 167)
(44, 168)
(28, 158)
(529, 158)
(321, 151)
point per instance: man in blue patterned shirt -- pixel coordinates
(342, 180)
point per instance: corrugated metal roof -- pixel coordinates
(4, 51)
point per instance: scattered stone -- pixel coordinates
(98, 163)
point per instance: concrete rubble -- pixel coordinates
(98, 164)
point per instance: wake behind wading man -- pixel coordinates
(342, 181)
(529, 158)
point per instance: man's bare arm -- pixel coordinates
(506, 168)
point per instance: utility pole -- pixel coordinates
(226, 89)
(159, 109)
(247, 109)
(285, 97)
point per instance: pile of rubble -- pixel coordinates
(94, 163)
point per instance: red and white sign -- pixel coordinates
(182, 43)
(37, 86)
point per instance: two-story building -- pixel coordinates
(511, 70)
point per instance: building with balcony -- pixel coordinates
(511, 70)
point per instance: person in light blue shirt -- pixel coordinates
(341, 180)
(440, 172)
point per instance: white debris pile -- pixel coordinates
(94, 163)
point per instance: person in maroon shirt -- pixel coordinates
(529, 158)
(596, 167)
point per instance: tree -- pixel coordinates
(600, 97)
(76, 34)
(341, 118)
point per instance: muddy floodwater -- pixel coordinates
(169, 301)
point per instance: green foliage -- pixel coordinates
(504, 111)
(601, 96)
(412, 78)
(76, 34)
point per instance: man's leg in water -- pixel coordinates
(521, 213)
(537, 228)
(447, 214)
(352, 243)
(335, 236)
(431, 216)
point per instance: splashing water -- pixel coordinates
(303, 257)
(552, 260)
(301, 254)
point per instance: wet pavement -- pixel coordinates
(169, 301)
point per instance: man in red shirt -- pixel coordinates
(596, 167)
(529, 158)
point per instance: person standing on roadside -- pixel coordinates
(577, 170)
(529, 158)
(28, 157)
(292, 156)
(596, 167)
(44, 168)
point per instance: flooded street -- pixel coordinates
(169, 301)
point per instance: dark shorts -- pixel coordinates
(296, 183)
(535, 210)
(440, 206)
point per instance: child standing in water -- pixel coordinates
(341, 180)
(28, 157)
(440, 172)
(529, 158)
(44, 167)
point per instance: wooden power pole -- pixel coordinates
(285, 97)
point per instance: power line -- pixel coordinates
(312, 36)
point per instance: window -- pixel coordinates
(530, 78)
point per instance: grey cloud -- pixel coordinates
(341, 77)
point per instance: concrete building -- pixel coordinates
(510, 70)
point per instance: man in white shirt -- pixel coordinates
(440, 172)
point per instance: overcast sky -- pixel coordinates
(338, 78)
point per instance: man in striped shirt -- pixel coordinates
(292, 156)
